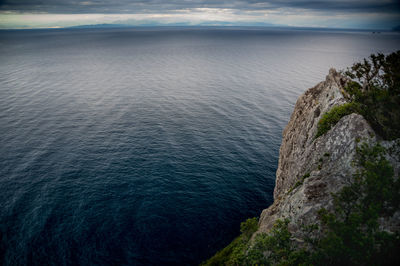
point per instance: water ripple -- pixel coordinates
(147, 147)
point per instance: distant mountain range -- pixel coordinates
(100, 26)
(221, 24)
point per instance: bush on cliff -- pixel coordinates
(275, 248)
(235, 252)
(351, 232)
(348, 234)
(375, 87)
(330, 118)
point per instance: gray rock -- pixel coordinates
(311, 169)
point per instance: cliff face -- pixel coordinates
(310, 169)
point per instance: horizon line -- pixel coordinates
(112, 25)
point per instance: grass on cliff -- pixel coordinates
(348, 234)
(373, 92)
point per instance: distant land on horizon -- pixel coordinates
(266, 26)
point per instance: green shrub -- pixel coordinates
(275, 248)
(248, 227)
(349, 234)
(382, 111)
(373, 92)
(375, 87)
(330, 118)
(351, 231)
(235, 252)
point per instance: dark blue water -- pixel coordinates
(142, 147)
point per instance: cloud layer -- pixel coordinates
(327, 13)
(135, 6)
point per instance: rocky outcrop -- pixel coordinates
(311, 169)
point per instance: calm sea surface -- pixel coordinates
(144, 147)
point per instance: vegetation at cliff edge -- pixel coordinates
(374, 92)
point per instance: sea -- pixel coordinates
(149, 146)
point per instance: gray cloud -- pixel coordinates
(367, 14)
(160, 6)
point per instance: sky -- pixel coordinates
(352, 14)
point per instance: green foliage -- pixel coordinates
(235, 252)
(378, 71)
(275, 248)
(330, 118)
(223, 256)
(349, 234)
(352, 235)
(248, 227)
(375, 86)
(373, 92)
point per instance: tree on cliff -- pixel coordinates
(375, 87)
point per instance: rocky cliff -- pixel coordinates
(306, 224)
(311, 169)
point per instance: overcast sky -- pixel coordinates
(361, 14)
